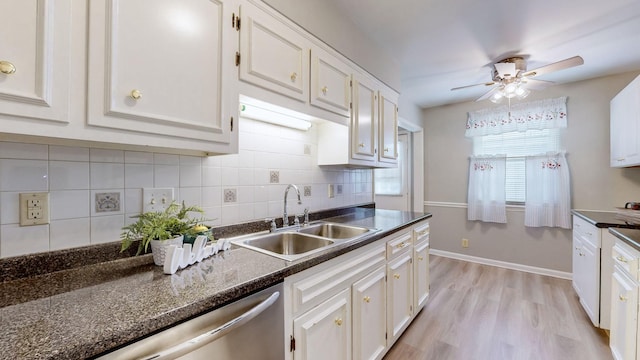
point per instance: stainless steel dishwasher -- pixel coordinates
(250, 328)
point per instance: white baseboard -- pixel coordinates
(503, 264)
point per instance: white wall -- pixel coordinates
(594, 184)
(72, 176)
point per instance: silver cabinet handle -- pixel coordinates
(212, 335)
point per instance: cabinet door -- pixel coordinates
(330, 83)
(324, 332)
(273, 55)
(369, 320)
(577, 265)
(364, 119)
(421, 275)
(590, 298)
(399, 295)
(624, 316)
(163, 67)
(388, 149)
(34, 67)
(625, 126)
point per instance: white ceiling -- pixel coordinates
(441, 44)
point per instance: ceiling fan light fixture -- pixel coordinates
(497, 97)
(510, 90)
(522, 92)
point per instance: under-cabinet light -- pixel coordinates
(273, 116)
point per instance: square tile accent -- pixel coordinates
(307, 191)
(107, 202)
(339, 189)
(230, 195)
(274, 177)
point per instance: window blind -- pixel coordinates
(517, 145)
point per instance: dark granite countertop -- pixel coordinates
(83, 311)
(604, 219)
(629, 236)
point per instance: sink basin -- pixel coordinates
(334, 231)
(285, 245)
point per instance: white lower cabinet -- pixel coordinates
(325, 331)
(586, 267)
(420, 266)
(399, 294)
(624, 302)
(369, 315)
(356, 305)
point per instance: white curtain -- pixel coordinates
(486, 197)
(541, 114)
(548, 191)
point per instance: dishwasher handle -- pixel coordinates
(212, 335)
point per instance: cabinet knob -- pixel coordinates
(338, 321)
(7, 67)
(135, 94)
(622, 298)
(324, 90)
(621, 259)
(361, 145)
(420, 258)
(386, 149)
(423, 232)
(294, 76)
(401, 245)
(367, 299)
(397, 276)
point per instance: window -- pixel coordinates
(516, 145)
(390, 181)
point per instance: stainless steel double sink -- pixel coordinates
(297, 242)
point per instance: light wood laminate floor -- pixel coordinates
(489, 313)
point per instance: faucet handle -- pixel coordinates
(273, 225)
(306, 216)
(296, 221)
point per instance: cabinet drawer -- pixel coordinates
(420, 233)
(626, 258)
(398, 244)
(588, 232)
(329, 279)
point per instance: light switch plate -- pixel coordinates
(34, 208)
(156, 199)
(330, 191)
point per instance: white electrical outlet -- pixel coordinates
(330, 191)
(34, 208)
(156, 199)
(465, 243)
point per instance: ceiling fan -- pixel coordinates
(510, 76)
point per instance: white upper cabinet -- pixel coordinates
(330, 83)
(164, 67)
(34, 61)
(364, 119)
(625, 126)
(272, 54)
(388, 152)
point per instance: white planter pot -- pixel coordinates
(159, 248)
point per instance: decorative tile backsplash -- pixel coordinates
(94, 192)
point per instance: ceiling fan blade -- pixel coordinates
(536, 84)
(487, 94)
(560, 65)
(505, 69)
(468, 86)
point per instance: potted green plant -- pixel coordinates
(160, 229)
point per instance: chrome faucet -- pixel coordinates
(285, 217)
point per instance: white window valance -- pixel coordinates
(542, 114)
